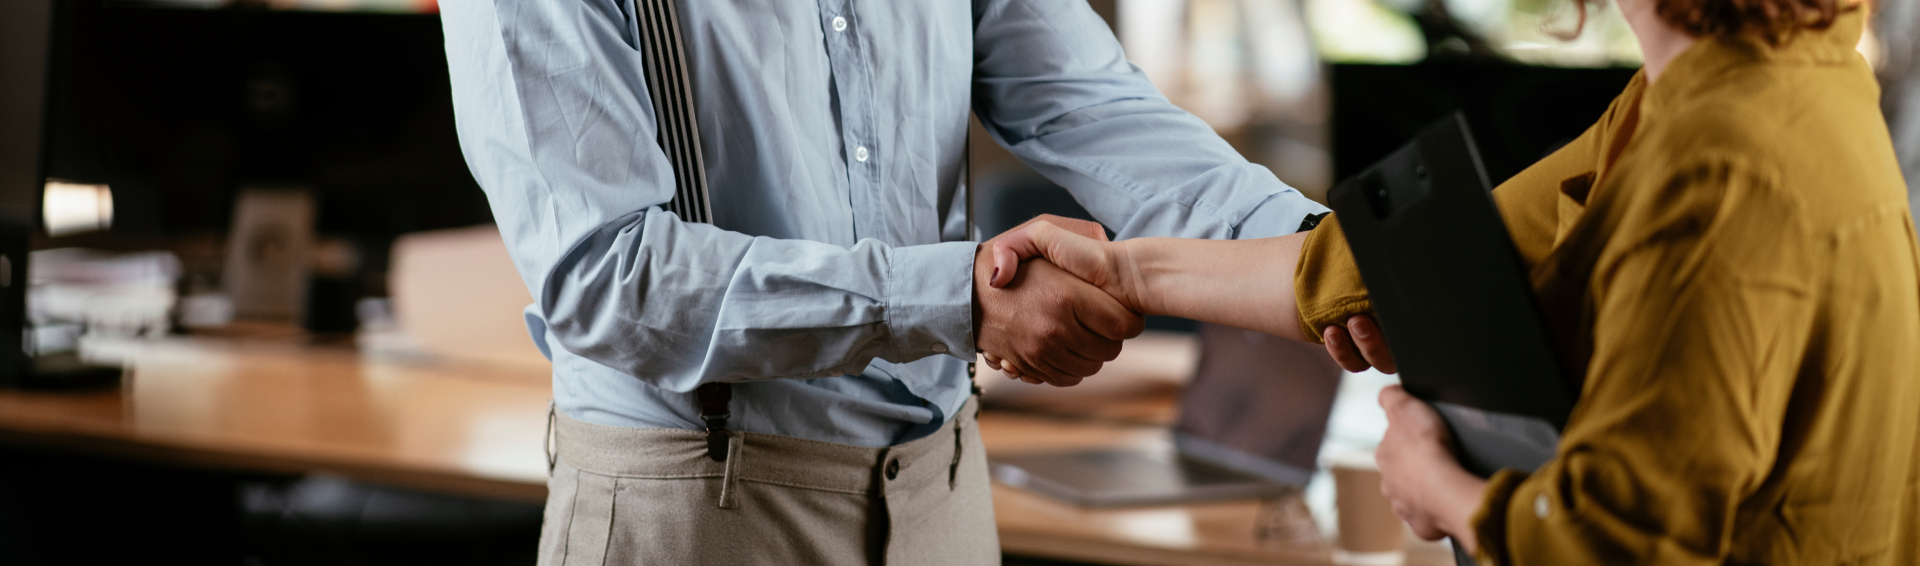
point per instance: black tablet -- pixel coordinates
(1453, 299)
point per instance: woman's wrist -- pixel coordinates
(1458, 495)
(1132, 261)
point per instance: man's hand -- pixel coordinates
(1359, 346)
(1047, 325)
(1419, 474)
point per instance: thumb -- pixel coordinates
(1009, 249)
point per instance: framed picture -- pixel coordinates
(267, 249)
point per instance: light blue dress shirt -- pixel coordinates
(835, 285)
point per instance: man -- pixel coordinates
(837, 288)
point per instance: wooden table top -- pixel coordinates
(477, 429)
(282, 407)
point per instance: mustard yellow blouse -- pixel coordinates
(1729, 257)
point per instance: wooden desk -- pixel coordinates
(279, 407)
(477, 430)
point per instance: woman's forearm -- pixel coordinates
(1245, 283)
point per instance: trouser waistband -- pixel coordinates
(662, 453)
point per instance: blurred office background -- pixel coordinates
(286, 171)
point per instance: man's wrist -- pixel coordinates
(980, 261)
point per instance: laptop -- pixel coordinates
(1249, 426)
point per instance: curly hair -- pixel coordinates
(1771, 20)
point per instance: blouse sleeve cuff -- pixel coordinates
(1490, 522)
(1326, 282)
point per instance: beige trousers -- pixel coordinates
(652, 496)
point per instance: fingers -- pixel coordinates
(1341, 347)
(1105, 317)
(1036, 237)
(1012, 247)
(1008, 367)
(1015, 371)
(1393, 399)
(1068, 371)
(1371, 342)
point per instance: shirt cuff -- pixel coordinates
(1279, 215)
(930, 300)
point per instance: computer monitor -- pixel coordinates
(26, 32)
(25, 27)
(1520, 113)
(182, 108)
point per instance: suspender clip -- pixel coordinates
(713, 399)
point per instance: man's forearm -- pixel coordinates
(1246, 283)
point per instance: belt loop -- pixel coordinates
(730, 479)
(547, 440)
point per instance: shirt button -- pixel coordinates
(941, 348)
(839, 24)
(1541, 508)
(893, 468)
(860, 154)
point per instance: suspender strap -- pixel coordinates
(664, 58)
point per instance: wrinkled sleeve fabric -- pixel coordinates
(1703, 298)
(1052, 85)
(556, 125)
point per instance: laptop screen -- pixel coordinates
(1257, 403)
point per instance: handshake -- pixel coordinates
(1053, 299)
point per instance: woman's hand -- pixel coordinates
(1101, 263)
(1421, 476)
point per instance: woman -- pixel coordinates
(1728, 256)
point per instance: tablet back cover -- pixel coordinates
(1453, 299)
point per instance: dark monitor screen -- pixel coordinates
(179, 109)
(1520, 113)
(24, 32)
